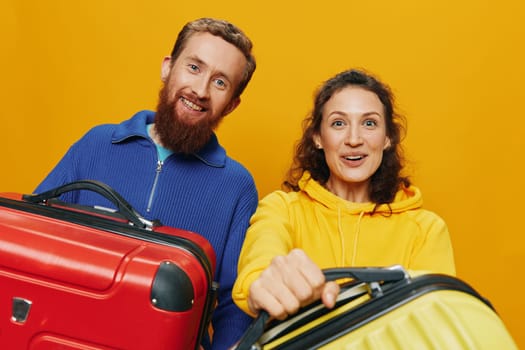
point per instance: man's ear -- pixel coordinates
(166, 68)
(231, 106)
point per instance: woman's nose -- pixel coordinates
(354, 136)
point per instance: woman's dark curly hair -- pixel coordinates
(386, 181)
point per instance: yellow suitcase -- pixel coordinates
(388, 309)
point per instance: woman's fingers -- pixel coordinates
(302, 277)
(290, 282)
(329, 294)
(271, 293)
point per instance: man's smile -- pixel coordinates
(191, 105)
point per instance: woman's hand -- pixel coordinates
(290, 282)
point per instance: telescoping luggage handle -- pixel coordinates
(124, 208)
(372, 276)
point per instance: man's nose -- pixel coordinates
(201, 87)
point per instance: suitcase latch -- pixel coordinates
(20, 309)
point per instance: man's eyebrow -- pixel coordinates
(196, 59)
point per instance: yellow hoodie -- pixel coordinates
(337, 233)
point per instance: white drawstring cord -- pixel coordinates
(342, 237)
(356, 236)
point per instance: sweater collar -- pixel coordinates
(212, 154)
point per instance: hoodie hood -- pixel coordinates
(407, 198)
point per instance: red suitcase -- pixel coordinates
(79, 278)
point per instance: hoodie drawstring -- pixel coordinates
(342, 236)
(356, 237)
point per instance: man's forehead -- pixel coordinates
(216, 53)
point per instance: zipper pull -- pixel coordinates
(154, 187)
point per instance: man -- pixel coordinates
(169, 165)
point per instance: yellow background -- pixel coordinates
(457, 68)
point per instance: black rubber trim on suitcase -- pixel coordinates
(375, 308)
(172, 289)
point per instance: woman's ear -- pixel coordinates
(317, 141)
(387, 143)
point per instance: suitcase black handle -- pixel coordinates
(370, 275)
(124, 208)
(366, 274)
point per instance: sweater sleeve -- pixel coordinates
(269, 235)
(62, 173)
(434, 251)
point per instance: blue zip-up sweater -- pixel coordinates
(208, 193)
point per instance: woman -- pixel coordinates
(347, 204)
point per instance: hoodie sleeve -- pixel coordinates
(268, 236)
(434, 251)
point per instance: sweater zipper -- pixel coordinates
(157, 174)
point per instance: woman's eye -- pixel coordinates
(338, 123)
(194, 67)
(370, 123)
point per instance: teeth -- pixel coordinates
(353, 157)
(191, 104)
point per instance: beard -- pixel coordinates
(177, 135)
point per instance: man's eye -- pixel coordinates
(193, 67)
(220, 83)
